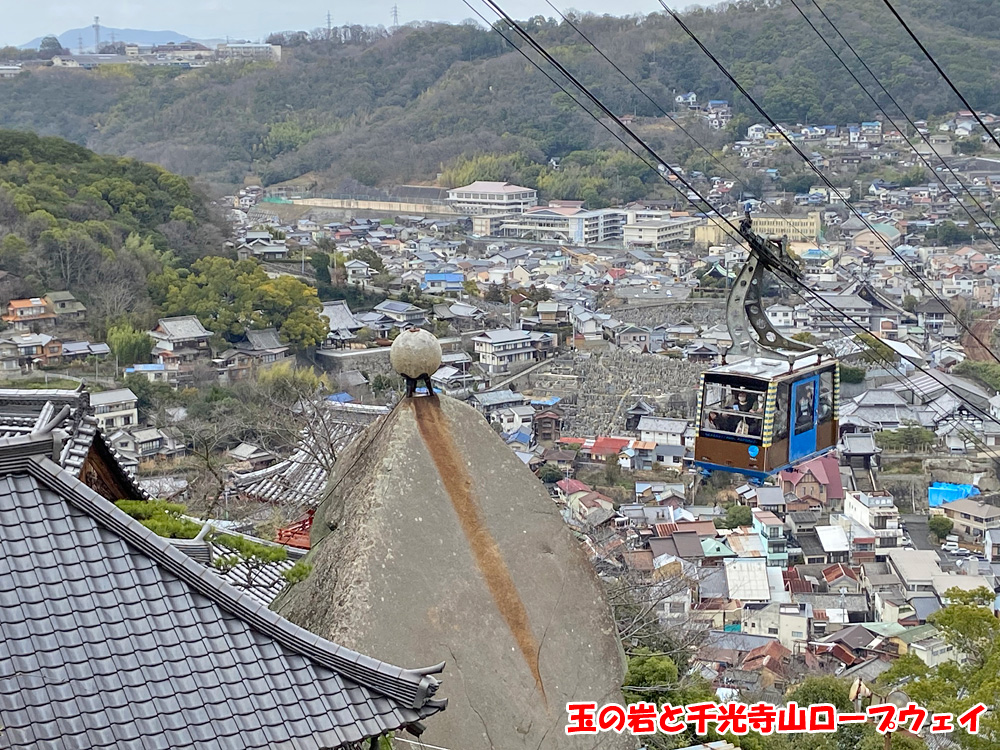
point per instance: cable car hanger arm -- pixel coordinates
(745, 303)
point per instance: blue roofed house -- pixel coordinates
(443, 283)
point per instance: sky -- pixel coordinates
(253, 19)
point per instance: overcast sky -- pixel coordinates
(213, 19)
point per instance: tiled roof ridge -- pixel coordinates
(414, 688)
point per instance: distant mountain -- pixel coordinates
(71, 39)
(396, 109)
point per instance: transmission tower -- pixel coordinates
(395, 16)
(329, 26)
(79, 44)
(97, 34)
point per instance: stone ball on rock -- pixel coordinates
(415, 352)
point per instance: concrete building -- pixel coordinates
(483, 197)
(657, 234)
(915, 568)
(248, 52)
(798, 228)
(875, 511)
(771, 531)
(558, 223)
(789, 623)
(113, 409)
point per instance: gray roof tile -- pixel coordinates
(115, 639)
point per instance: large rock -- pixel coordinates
(435, 543)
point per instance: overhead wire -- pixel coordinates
(940, 70)
(662, 166)
(661, 110)
(899, 257)
(909, 143)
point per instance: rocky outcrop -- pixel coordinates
(436, 543)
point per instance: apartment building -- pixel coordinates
(875, 511)
(658, 234)
(771, 531)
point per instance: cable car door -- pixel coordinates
(802, 430)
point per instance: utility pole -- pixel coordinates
(97, 34)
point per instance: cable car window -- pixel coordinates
(805, 397)
(737, 410)
(825, 396)
(781, 412)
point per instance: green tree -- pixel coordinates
(968, 625)
(550, 473)
(805, 337)
(321, 264)
(252, 557)
(50, 47)
(736, 515)
(910, 303)
(940, 526)
(370, 257)
(612, 470)
(129, 345)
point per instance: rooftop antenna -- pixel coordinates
(395, 16)
(97, 34)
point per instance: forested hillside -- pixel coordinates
(70, 219)
(384, 109)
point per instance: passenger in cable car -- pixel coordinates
(804, 408)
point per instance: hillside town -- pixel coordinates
(730, 437)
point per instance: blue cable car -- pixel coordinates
(778, 404)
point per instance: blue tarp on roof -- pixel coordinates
(942, 492)
(340, 398)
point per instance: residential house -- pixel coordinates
(180, 342)
(262, 246)
(488, 402)
(264, 347)
(113, 409)
(501, 349)
(358, 272)
(818, 478)
(547, 425)
(972, 517)
(154, 373)
(878, 515)
(32, 314)
(662, 430)
(65, 306)
(403, 314)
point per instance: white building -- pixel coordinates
(117, 408)
(248, 51)
(656, 234)
(500, 349)
(492, 198)
(662, 430)
(875, 511)
(560, 223)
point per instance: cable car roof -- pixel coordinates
(764, 367)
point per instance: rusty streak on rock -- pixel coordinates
(435, 432)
